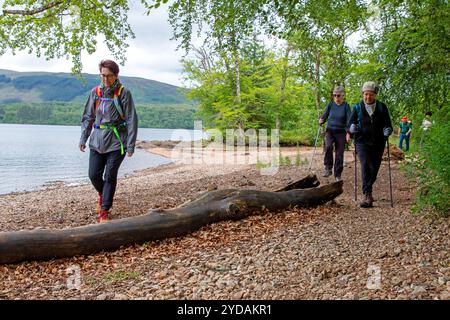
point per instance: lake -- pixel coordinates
(32, 156)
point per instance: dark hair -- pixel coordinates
(109, 64)
(429, 113)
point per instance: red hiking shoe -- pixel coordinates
(103, 216)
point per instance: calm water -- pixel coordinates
(32, 156)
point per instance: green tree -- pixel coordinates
(411, 41)
(64, 28)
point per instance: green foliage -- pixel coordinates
(166, 116)
(122, 275)
(411, 46)
(262, 101)
(409, 56)
(73, 25)
(431, 166)
(294, 137)
(60, 113)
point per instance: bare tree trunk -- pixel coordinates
(158, 224)
(204, 58)
(284, 76)
(317, 82)
(238, 80)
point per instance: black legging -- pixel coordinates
(107, 164)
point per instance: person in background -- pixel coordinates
(404, 131)
(370, 126)
(337, 114)
(110, 111)
(426, 124)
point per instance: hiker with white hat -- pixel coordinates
(370, 126)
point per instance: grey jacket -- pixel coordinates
(104, 140)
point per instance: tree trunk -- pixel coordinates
(317, 82)
(284, 76)
(158, 224)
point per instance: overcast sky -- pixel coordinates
(151, 55)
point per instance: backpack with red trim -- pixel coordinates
(117, 104)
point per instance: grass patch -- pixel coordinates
(122, 275)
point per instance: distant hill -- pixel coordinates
(35, 87)
(59, 98)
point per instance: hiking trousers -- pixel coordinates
(338, 140)
(370, 156)
(103, 170)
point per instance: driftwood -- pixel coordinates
(158, 224)
(397, 154)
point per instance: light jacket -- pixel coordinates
(104, 140)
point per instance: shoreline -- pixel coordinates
(162, 148)
(61, 205)
(188, 155)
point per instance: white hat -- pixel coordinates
(339, 89)
(370, 86)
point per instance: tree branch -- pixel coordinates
(34, 11)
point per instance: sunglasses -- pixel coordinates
(106, 76)
(337, 95)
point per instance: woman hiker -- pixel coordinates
(110, 119)
(337, 113)
(370, 124)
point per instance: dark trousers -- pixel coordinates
(338, 139)
(103, 170)
(370, 157)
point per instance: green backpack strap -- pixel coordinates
(117, 102)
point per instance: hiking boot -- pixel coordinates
(338, 178)
(103, 216)
(327, 173)
(367, 202)
(99, 203)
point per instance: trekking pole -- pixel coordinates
(390, 176)
(356, 175)
(314, 152)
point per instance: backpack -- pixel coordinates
(117, 103)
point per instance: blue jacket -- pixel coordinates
(337, 116)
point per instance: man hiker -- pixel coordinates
(337, 113)
(370, 125)
(404, 131)
(111, 122)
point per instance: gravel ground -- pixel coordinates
(334, 251)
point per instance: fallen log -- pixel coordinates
(158, 224)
